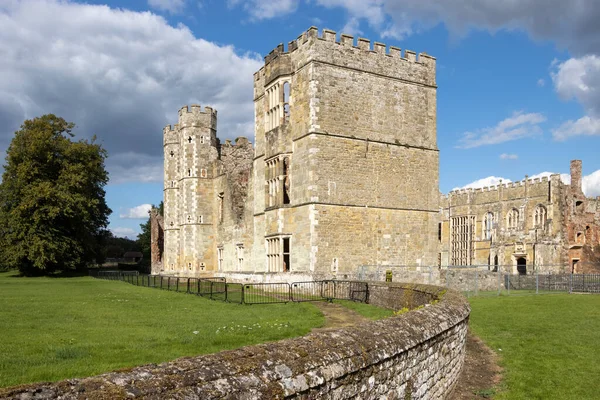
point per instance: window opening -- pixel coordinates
(488, 223)
(172, 153)
(189, 139)
(462, 240)
(286, 254)
(522, 266)
(512, 219)
(189, 172)
(220, 200)
(240, 256)
(539, 218)
(278, 254)
(439, 231)
(286, 180)
(220, 258)
(286, 101)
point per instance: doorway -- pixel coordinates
(522, 266)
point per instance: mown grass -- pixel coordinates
(366, 310)
(57, 328)
(548, 345)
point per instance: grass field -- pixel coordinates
(366, 310)
(549, 345)
(56, 328)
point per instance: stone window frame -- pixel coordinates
(540, 216)
(462, 230)
(278, 256)
(488, 225)
(219, 258)
(277, 180)
(220, 206)
(239, 251)
(512, 219)
(277, 97)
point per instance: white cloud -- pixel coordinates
(591, 184)
(579, 78)
(137, 212)
(266, 9)
(119, 74)
(541, 82)
(506, 156)
(584, 126)
(483, 182)
(171, 6)
(518, 126)
(124, 232)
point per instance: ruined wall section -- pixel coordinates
(582, 224)
(157, 229)
(543, 245)
(233, 212)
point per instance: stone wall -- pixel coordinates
(415, 355)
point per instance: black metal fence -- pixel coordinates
(248, 293)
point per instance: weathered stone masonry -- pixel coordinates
(344, 169)
(416, 355)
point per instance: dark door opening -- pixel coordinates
(522, 266)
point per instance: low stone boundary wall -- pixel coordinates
(415, 355)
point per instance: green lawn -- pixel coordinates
(549, 345)
(56, 328)
(366, 310)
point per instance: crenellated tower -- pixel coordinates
(190, 166)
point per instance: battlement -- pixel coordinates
(508, 185)
(194, 115)
(378, 49)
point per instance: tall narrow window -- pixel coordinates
(220, 258)
(488, 224)
(439, 231)
(277, 98)
(240, 256)
(461, 239)
(286, 101)
(285, 180)
(277, 181)
(539, 217)
(220, 200)
(286, 254)
(512, 219)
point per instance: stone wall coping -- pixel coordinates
(272, 370)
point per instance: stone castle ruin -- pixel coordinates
(344, 171)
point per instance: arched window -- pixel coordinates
(512, 219)
(488, 224)
(539, 216)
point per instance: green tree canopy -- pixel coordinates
(52, 208)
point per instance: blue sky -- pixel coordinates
(518, 82)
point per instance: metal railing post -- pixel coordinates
(571, 284)
(537, 282)
(476, 282)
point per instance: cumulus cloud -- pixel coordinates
(579, 79)
(124, 232)
(506, 156)
(591, 184)
(171, 6)
(266, 9)
(517, 126)
(541, 82)
(137, 212)
(119, 74)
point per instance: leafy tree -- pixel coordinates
(52, 207)
(144, 239)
